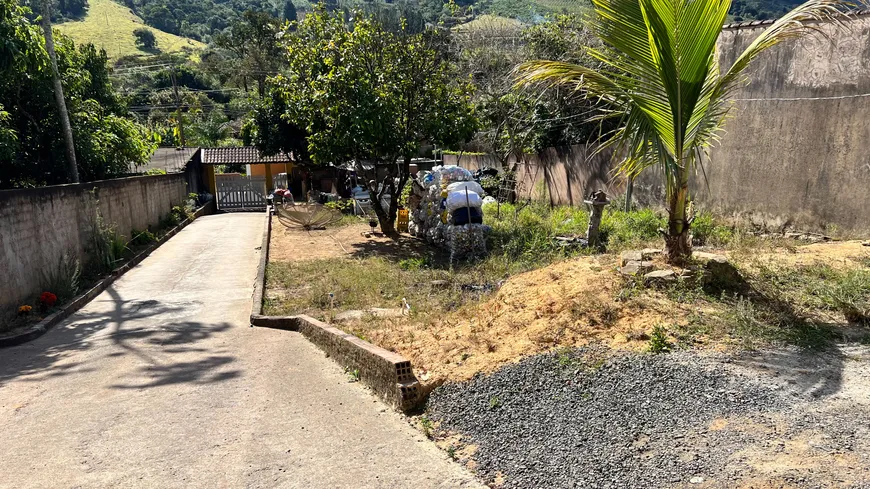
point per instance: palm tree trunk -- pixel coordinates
(72, 166)
(678, 246)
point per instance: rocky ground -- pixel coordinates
(586, 418)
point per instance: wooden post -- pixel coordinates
(210, 179)
(269, 184)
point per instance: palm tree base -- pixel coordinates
(678, 248)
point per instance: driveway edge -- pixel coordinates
(80, 300)
(388, 374)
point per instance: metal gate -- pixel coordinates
(240, 192)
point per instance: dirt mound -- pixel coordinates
(571, 303)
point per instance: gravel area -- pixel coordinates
(581, 419)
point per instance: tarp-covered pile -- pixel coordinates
(446, 211)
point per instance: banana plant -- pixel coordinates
(663, 80)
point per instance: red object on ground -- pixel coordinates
(47, 299)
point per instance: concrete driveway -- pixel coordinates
(160, 382)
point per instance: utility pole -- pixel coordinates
(72, 166)
(177, 108)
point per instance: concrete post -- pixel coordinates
(598, 200)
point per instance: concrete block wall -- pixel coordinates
(37, 226)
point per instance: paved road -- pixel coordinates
(159, 382)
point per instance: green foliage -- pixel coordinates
(64, 279)
(658, 340)
(142, 238)
(708, 230)
(197, 19)
(154, 171)
(107, 246)
(413, 263)
(667, 86)
(849, 293)
(343, 206)
(494, 402)
(108, 143)
(620, 229)
(145, 39)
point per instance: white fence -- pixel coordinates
(235, 192)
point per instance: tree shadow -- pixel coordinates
(396, 250)
(158, 326)
(807, 373)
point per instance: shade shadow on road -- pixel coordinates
(167, 346)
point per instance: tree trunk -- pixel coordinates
(72, 166)
(678, 246)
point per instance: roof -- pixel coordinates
(245, 155)
(170, 159)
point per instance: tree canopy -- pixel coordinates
(363, 92)
(107, 141)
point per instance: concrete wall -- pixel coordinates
(804, 163)
(562, 176)
(38, 225)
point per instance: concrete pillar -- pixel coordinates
(269, 184)
(210, 180)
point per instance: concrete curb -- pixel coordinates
(80, 300)
(388, 374)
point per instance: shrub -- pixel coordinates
(107, 246)
(707, 230)
(142, 238)
(620, 228)
(658, 341)
(154, 171)
(64, 278)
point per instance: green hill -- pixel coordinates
(110, 26)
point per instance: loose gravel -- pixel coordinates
(581, 419)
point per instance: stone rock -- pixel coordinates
(696, 480)
(660, 276)
(718, 272)
(638, 267)
(866, 243)
(357, 314)
(630, 256)
(650, 253)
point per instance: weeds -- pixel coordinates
(451, 452)
(142, 238)
(427, 425)
(658, 341)
(64, 279)
(107, 246)
(353, 374)
(494, 402)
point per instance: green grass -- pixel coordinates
(110, 26)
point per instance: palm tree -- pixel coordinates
(662, 78)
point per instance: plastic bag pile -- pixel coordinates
(449, 213)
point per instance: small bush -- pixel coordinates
(65, 277)
(107, 246)
(658, 340)
(413, 263)
(154, 171)
(707, 230)
(142, 238)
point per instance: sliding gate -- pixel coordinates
(240, 192)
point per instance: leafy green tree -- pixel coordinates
(362, 92)
(145, 39)
(252, 48)
(666, 83)
(107, 142)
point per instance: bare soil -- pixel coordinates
(567, 304)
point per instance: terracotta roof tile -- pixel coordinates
(245, 155)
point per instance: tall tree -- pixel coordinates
(60, 101)
(362, 92)
(252, 43)
(666, 83)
